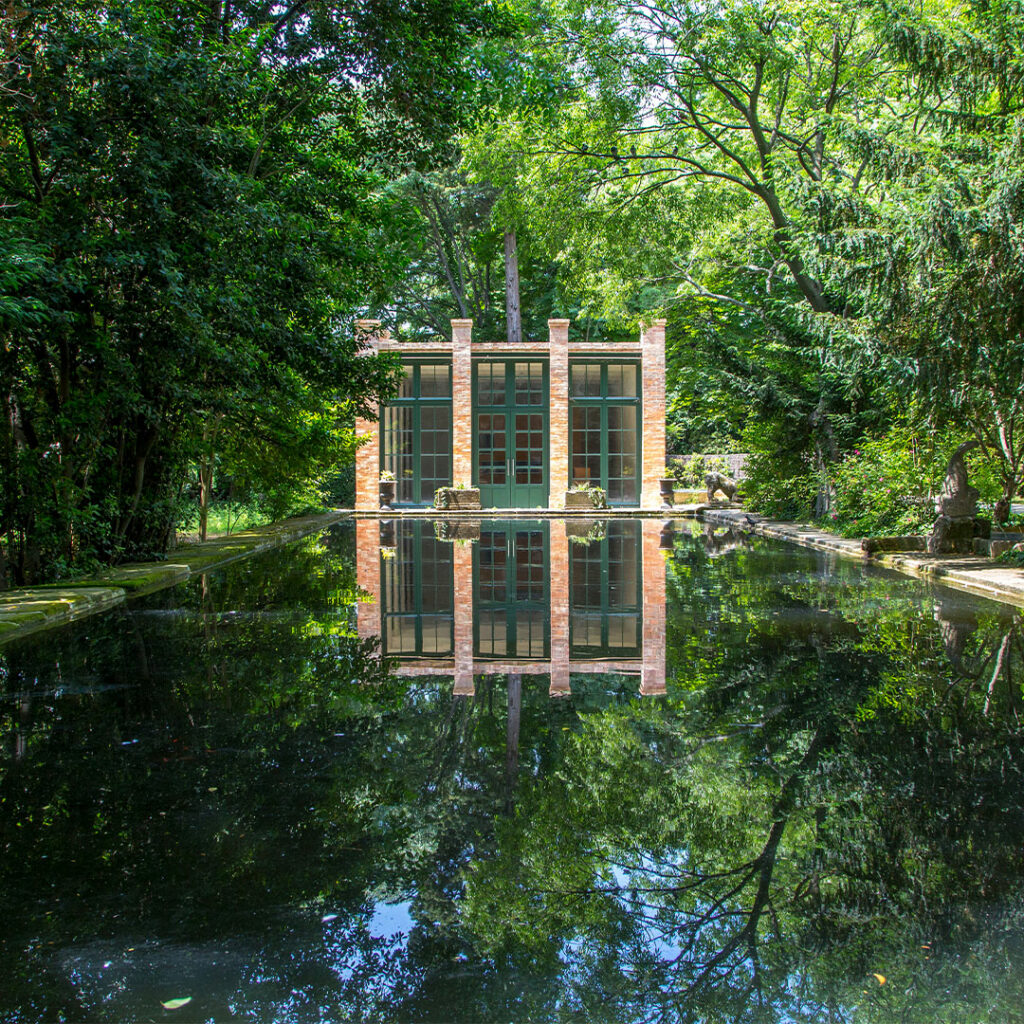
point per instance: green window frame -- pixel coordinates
(418, 594)
(606, 594)
(510, 431)
(511, 592)
(416, 433)
(606, 427)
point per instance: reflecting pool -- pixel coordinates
(517, 770)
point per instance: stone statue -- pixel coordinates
(957, 498)
(957, 506)
(716, 544)
(717, 482)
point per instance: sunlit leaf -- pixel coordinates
(176, 1004)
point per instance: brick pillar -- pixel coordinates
(462, 563)
(368, 454)
(558, 577)
(462, 402)
(368, 577)
(652, 674)
(558, 412)
(652, 347)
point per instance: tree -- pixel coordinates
(193, 193)
(932, 263)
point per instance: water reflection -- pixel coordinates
(221, 792)
(561, 598)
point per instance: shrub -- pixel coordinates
(886, 487)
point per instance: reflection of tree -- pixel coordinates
(810, 811)
(818, 798)
(999, 650)
(237, 765)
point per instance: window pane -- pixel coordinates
(418, 595)
(622, 452)
(405, 386)
(435, 450)
(397, 434)
(435, 381)
(490, 382)
(529, 378)
(622, 380)
(585, 457)
(585, 380)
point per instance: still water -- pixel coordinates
(518, 771)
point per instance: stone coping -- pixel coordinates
(976, 575)
(30, 609)
(429, 512)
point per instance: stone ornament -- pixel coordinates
(716, 482)
(957, 508)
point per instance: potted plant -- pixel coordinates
(582, 495)
(459, 497)
(667, 485)
(387, 489)
(460, 532)
(585, 531)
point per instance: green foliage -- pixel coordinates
(691, 471)
(887, 487)
(598, 497)
(191, 206)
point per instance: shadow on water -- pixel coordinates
(613, 770)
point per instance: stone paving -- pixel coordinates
(980, 576)
(29, 609)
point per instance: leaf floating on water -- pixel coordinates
(879, 977)
(176, 1004)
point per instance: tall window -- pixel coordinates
(416, 433)
(418, 594)
(605, 586)
(605, 424)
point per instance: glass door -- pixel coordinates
(418, 594)
(606, 593)
(510, 434)
(605, 429)
(510, 587)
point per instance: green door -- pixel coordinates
(510, 589)
(510, 435)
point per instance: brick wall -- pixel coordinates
(368, 577)
(651, 350)
(368, 455)
(462, 563)
(558, 578)
(462, 402)
(558, 414)
(652, 675)
(652, 347)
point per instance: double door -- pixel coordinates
(510, 436)
(511, 618)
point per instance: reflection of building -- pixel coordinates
(516, 596)
(521, 422)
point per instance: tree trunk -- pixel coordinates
(513, 316)
(205, 485)
(515, 705)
